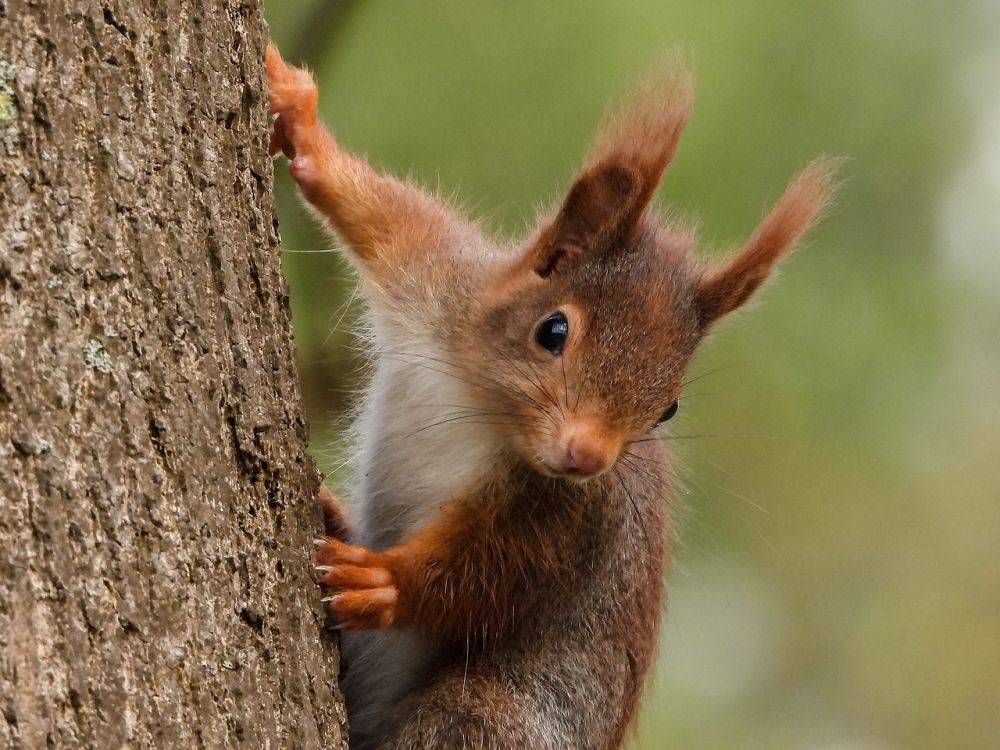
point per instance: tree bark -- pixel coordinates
(157, 499)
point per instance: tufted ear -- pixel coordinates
(601, 209)
(723, 289)
(606, 202)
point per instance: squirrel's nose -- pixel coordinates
(586, 457)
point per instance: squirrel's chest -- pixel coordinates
(420, 444)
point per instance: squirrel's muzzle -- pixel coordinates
(588, 450)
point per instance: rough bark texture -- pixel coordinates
(157, 515)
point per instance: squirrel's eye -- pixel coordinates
(552, 333)
(671, 410)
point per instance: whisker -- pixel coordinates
(633, 460)
(635, 507)
(565, 382)
(345, 308)
(656, 483)
(734, 493)
(312, 252)
(474, 379)
(710, 372)
(650, 459)
(467, 420)
(706, 435)
(536, 381)
(550, 396)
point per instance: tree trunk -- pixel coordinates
(157, 499)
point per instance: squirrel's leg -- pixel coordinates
(440, 581)
(378, 217)
(479, 705)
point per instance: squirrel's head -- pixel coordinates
(591, 328)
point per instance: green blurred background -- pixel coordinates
(837, 582)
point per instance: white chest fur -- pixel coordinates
(418, 446)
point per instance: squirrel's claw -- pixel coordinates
(279, 143)
(366, 595)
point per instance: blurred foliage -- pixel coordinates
(836, 582)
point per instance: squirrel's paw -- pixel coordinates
(365, 595)
(292, 97)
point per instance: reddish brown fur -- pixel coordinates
(370, 212)
(542, 596)
(491, 575)
(724, 289)
(626, 163)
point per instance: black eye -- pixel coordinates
(552, 333)
(671, 410)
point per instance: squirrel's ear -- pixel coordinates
(601, 208)
(722, 290)
(606, 202)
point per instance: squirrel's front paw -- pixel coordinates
(292, 97)
(366, 595)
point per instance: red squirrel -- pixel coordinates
(504, 584)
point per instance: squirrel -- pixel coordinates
(505, 581)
